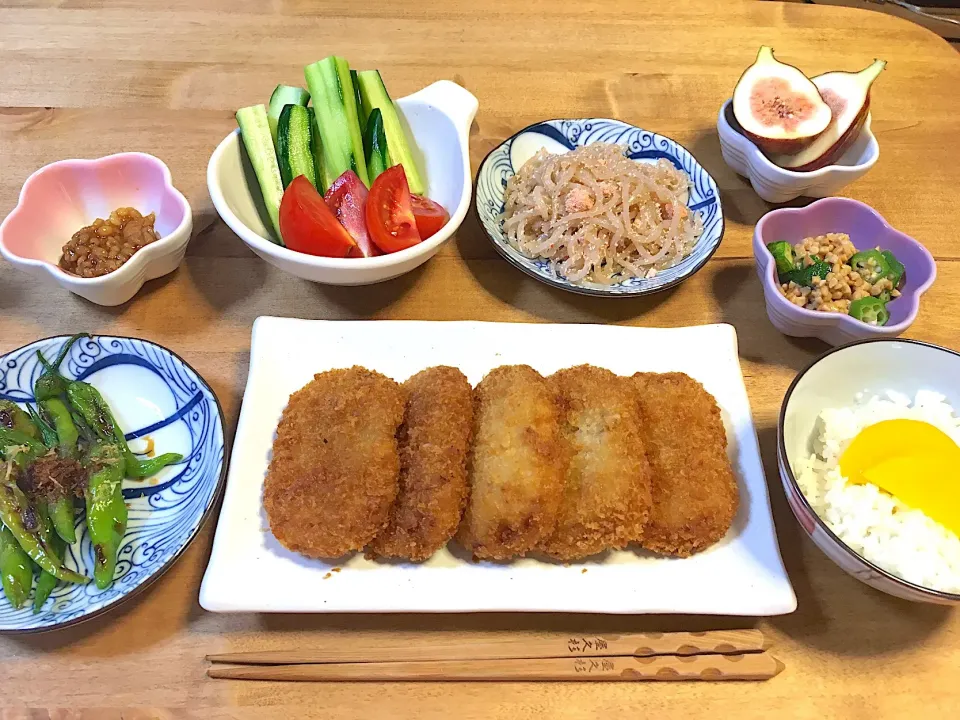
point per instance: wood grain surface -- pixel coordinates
(82, 78)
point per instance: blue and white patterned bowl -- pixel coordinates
(155, 395)
(563, 135)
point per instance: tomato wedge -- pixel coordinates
(346, 197)
(430, 216)
(307, 225)
(390, 219)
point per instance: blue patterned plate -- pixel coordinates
(560, 136)
(155, 396)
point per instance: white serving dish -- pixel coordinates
(777, 185)
(438, 118)
(741, 575)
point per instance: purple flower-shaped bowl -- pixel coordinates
(867, 229)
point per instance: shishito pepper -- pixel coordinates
(87, 400)
(47, 582)
(49, 391)
(109, 460)
(106, 510)
(16, 571)
(24, 521)
(13, 417)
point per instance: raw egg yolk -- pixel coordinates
(914, 461)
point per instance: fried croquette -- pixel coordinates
(694, 490)
(606, 498)
(516, 467)
(434, 441)
(333, 476)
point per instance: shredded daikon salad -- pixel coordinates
(599, 216)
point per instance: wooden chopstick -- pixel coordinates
(752, 666)
(554, 645)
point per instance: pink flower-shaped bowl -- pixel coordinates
(867, 229)
(60, 198)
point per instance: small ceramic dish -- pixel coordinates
(560, 136)
(867, 229)
(438, 119)
(155, 396)
(60, 198)
(778, 185)
(834, 380)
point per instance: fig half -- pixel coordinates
(848, 95)
(778, 107)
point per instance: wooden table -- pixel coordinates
(79, 81)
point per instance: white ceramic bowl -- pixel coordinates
(833, 380)
(438, 117)
(777, 185)
(60, 198)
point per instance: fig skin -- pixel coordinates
(842, 91)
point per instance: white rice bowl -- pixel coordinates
(903, 541)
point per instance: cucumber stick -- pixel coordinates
(375, 145)
(295, 145)
(335, 102)
(373, 95)
(284, 95)
(361, 116)
(323, 182)
(255, 131)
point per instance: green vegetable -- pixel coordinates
(870, 310)
(316, 147)
(896, 270)
(19, 447)
(295, 145)
(106, 510)
(14, 417)
(335, 102)
(24, 521)
(361, 115)
(47, 434)
(782, 252)
(47, 582)
(375, 145)
(255, 131)
(804, 276)
(373, 94)
(16, 571)
(87, 400)
(49, 390)
(284, 95)
(63, 518)
(871, 265)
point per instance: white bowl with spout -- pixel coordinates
(438, 118)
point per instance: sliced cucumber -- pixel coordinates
(375, 145)
(373, 94)
(323, 182)
(295, 145)
(255, 131)
(361, 116)
(284, 95)
(335, 102)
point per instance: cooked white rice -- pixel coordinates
(901, 540)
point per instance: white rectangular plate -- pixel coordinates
(250, 571)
